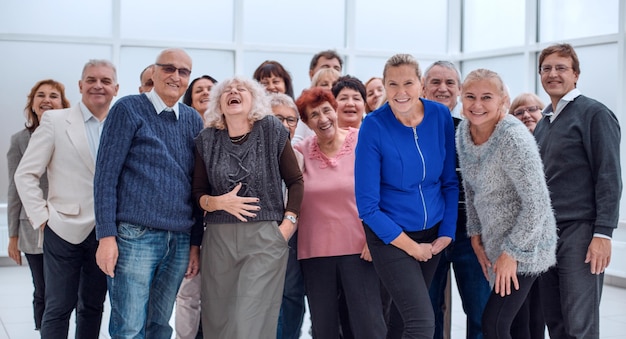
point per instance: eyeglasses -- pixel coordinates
(171, 69)
(291, 121)
(532, 109)
(558, 68)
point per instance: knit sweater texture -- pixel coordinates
(255, 164)
(144, 167)
(580, 151)
(405, 178)
(506, 196)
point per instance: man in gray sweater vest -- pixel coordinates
(579, 141)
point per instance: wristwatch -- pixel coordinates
(291, 218)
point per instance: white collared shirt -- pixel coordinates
(93, 127)
(159, 105)
(566, 99)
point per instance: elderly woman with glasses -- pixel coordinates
(527, 108)
(243, 157)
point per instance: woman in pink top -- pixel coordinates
(331, 239)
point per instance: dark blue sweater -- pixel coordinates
(405, 178)
(581, 156)
(144, 168)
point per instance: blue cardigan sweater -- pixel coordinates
(144, 168)
(405, 178)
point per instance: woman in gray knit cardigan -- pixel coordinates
(509, 215)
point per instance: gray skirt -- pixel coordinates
(243, 273)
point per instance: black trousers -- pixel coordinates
(500, 311)
(73, 280)
(407, 281)
(35, 263)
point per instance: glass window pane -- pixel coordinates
(493, 24)
(511, 69)
(60, 17)
(366, 67)
(577, 19)
(379, 28)
(188, 20)
(288, 22)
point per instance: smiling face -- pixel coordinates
(236, 100)
(98, 87)
(558, 83)
(442, 85)
(274, 84)
(200, 94)
(403, 89)
(528, 112)
(286, 114)
(46, 98)
(322, 119)
(350, 108)
(483, 103)
(171, 86)
(374, 92)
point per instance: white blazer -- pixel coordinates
(59, 146)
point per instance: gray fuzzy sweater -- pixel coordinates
(507, 199)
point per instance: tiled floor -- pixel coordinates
(16, 310)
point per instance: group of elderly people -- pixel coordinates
(366, 200)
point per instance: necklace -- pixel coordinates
(236, 140)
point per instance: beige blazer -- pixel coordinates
(59, 147)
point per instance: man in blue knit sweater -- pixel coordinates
(143, 204)
(579, 144)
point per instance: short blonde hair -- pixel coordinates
(214, 117)
(323, 72)
(402, 59)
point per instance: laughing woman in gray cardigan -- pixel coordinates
(509, 215)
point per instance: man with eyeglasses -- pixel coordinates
(579, 144)
(144, 209)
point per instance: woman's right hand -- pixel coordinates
(479, 250)
(240, 207)
(14, 252)
(419, 251)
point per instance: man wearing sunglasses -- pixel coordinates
(144, 210)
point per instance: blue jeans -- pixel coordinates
(149, 270)
(292, 308)
(471, 282)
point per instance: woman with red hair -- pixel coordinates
(331, 240)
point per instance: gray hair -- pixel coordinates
(214, 117)
(280, 99)
(445, 64)
(100, 62)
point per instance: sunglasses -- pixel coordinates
(171, 69)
